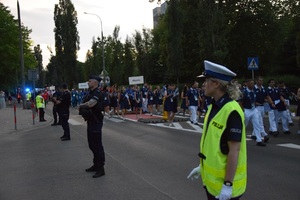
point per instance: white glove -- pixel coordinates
(225, 193)
(195, 173)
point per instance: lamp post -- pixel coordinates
(102, 46)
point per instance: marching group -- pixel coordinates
(256, 100)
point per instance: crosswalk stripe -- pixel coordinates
(290, 145)
(118, 120)
(196, 127)
(74, 122)
(176, 126)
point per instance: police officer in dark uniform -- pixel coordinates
(91, 111)
(56, 96)
(63, 105)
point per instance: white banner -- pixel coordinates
(83, 85)
(135, 80)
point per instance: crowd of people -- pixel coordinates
(256, 100)
(227, 107)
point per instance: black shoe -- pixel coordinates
(100, 172)
(65, 138)
(287, 132)
(43, 120)
(54, 124)
(91, 169)
(266, 139)
(253, 137)
(274, 133)
(291, 124)
(261, 144)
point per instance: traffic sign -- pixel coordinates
(253, 63)
(33, 74)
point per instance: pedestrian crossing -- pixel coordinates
(184, 125)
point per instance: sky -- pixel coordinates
(37, 15)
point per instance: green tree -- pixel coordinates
(174, 36)
(128, 60)
(10, 71)
(66, 41)
(39, 58)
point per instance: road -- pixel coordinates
(143, 161)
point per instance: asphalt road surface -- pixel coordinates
(143, 161)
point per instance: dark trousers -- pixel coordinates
(55, 114)
(64, 117)
(211, 197)
(41, 114)
(94, 135)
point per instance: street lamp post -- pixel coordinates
(102, 46)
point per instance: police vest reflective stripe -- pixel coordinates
(39, 101)
(213, 167)
(28, 96)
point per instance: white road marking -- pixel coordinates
(290, 145)
(115, 119)
(176, 126)
(196, 127)
(74, 122)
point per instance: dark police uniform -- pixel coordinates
(56, 95)
(94, 131)
(64, 113)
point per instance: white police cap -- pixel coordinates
(217, 71)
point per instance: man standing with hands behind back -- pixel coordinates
(63, 105)
(91, 111)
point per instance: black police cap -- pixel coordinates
(97, 78)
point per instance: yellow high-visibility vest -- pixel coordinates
(28, 96)
(39, 101)
(213, 167)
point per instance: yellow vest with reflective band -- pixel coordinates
(39, 101)
(28, 96)
(213, 167)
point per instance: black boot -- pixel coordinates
(100, 172)
(91, 169)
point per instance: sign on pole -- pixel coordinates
(33, 74)
(135, 80)
(253, 63)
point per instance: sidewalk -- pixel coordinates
(24, 119)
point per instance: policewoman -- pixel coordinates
(223, 158)
(91, 111)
